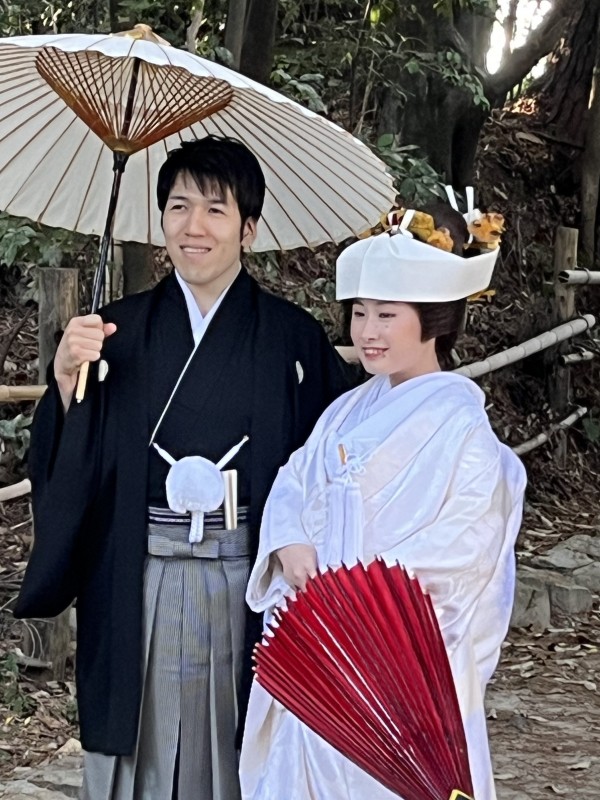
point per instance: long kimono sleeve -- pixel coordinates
(62, 465)
(465, 558)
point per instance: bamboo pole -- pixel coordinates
(573, 277)
(20, 394)
(528, 348)
(576, 358)
(542, 438)
(16, 490)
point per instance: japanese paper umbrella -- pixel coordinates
(359, 658)
(75, 108)
(67, 101)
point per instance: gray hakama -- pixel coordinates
(193, 638)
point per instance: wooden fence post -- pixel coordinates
(565, 257)
(58, 302)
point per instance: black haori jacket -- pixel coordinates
(89, 468)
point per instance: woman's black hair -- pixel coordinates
(442, 322)
(216, 162)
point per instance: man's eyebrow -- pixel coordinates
(209, 198)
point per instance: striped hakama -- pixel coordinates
(193, 638)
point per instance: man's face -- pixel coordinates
(203, 235)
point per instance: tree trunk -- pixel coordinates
(234, 29)
(590, 166)
(113, 15)
(563, 93)
(438, 117)
(256, 58)
(138, 267)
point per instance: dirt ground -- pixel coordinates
(544, 714)
(543, 706)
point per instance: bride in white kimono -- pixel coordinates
(425, 482)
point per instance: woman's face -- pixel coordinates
(387, 336)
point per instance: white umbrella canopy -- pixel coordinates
(322, 183)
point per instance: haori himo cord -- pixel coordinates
(406, 468)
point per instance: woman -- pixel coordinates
(405, 467)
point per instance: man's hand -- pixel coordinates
(82, 341)
(299, 563)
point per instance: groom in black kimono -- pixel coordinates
(263, 368)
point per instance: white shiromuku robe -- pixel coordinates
(426, 483)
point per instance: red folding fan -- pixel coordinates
(359, 658)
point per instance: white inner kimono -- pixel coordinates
(426, 483)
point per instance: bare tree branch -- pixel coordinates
(540, 42)
(194, 26)
(509, 25)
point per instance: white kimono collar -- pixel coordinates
(199, 323)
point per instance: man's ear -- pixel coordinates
(248, 232)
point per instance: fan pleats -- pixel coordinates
(359, 658)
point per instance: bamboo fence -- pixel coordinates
(574, 277)
(559, 334)
(542, 438)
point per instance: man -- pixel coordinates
(195, 365)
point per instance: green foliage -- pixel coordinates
(285, 275)
(591, 427)
(306, 88)
(17, 432)
(451, 67)
(415, 179)
(21, 240)
(71, 711)
(22, 17)
(12, 696)
(16, 235)
(479, 7)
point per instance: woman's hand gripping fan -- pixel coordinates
(196, 485)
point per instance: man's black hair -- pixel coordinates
(216, 163)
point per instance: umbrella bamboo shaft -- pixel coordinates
(119, 163)
(120, 160)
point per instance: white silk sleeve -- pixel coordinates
(281, 526)
(465, 559)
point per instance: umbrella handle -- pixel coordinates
(82, 381)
